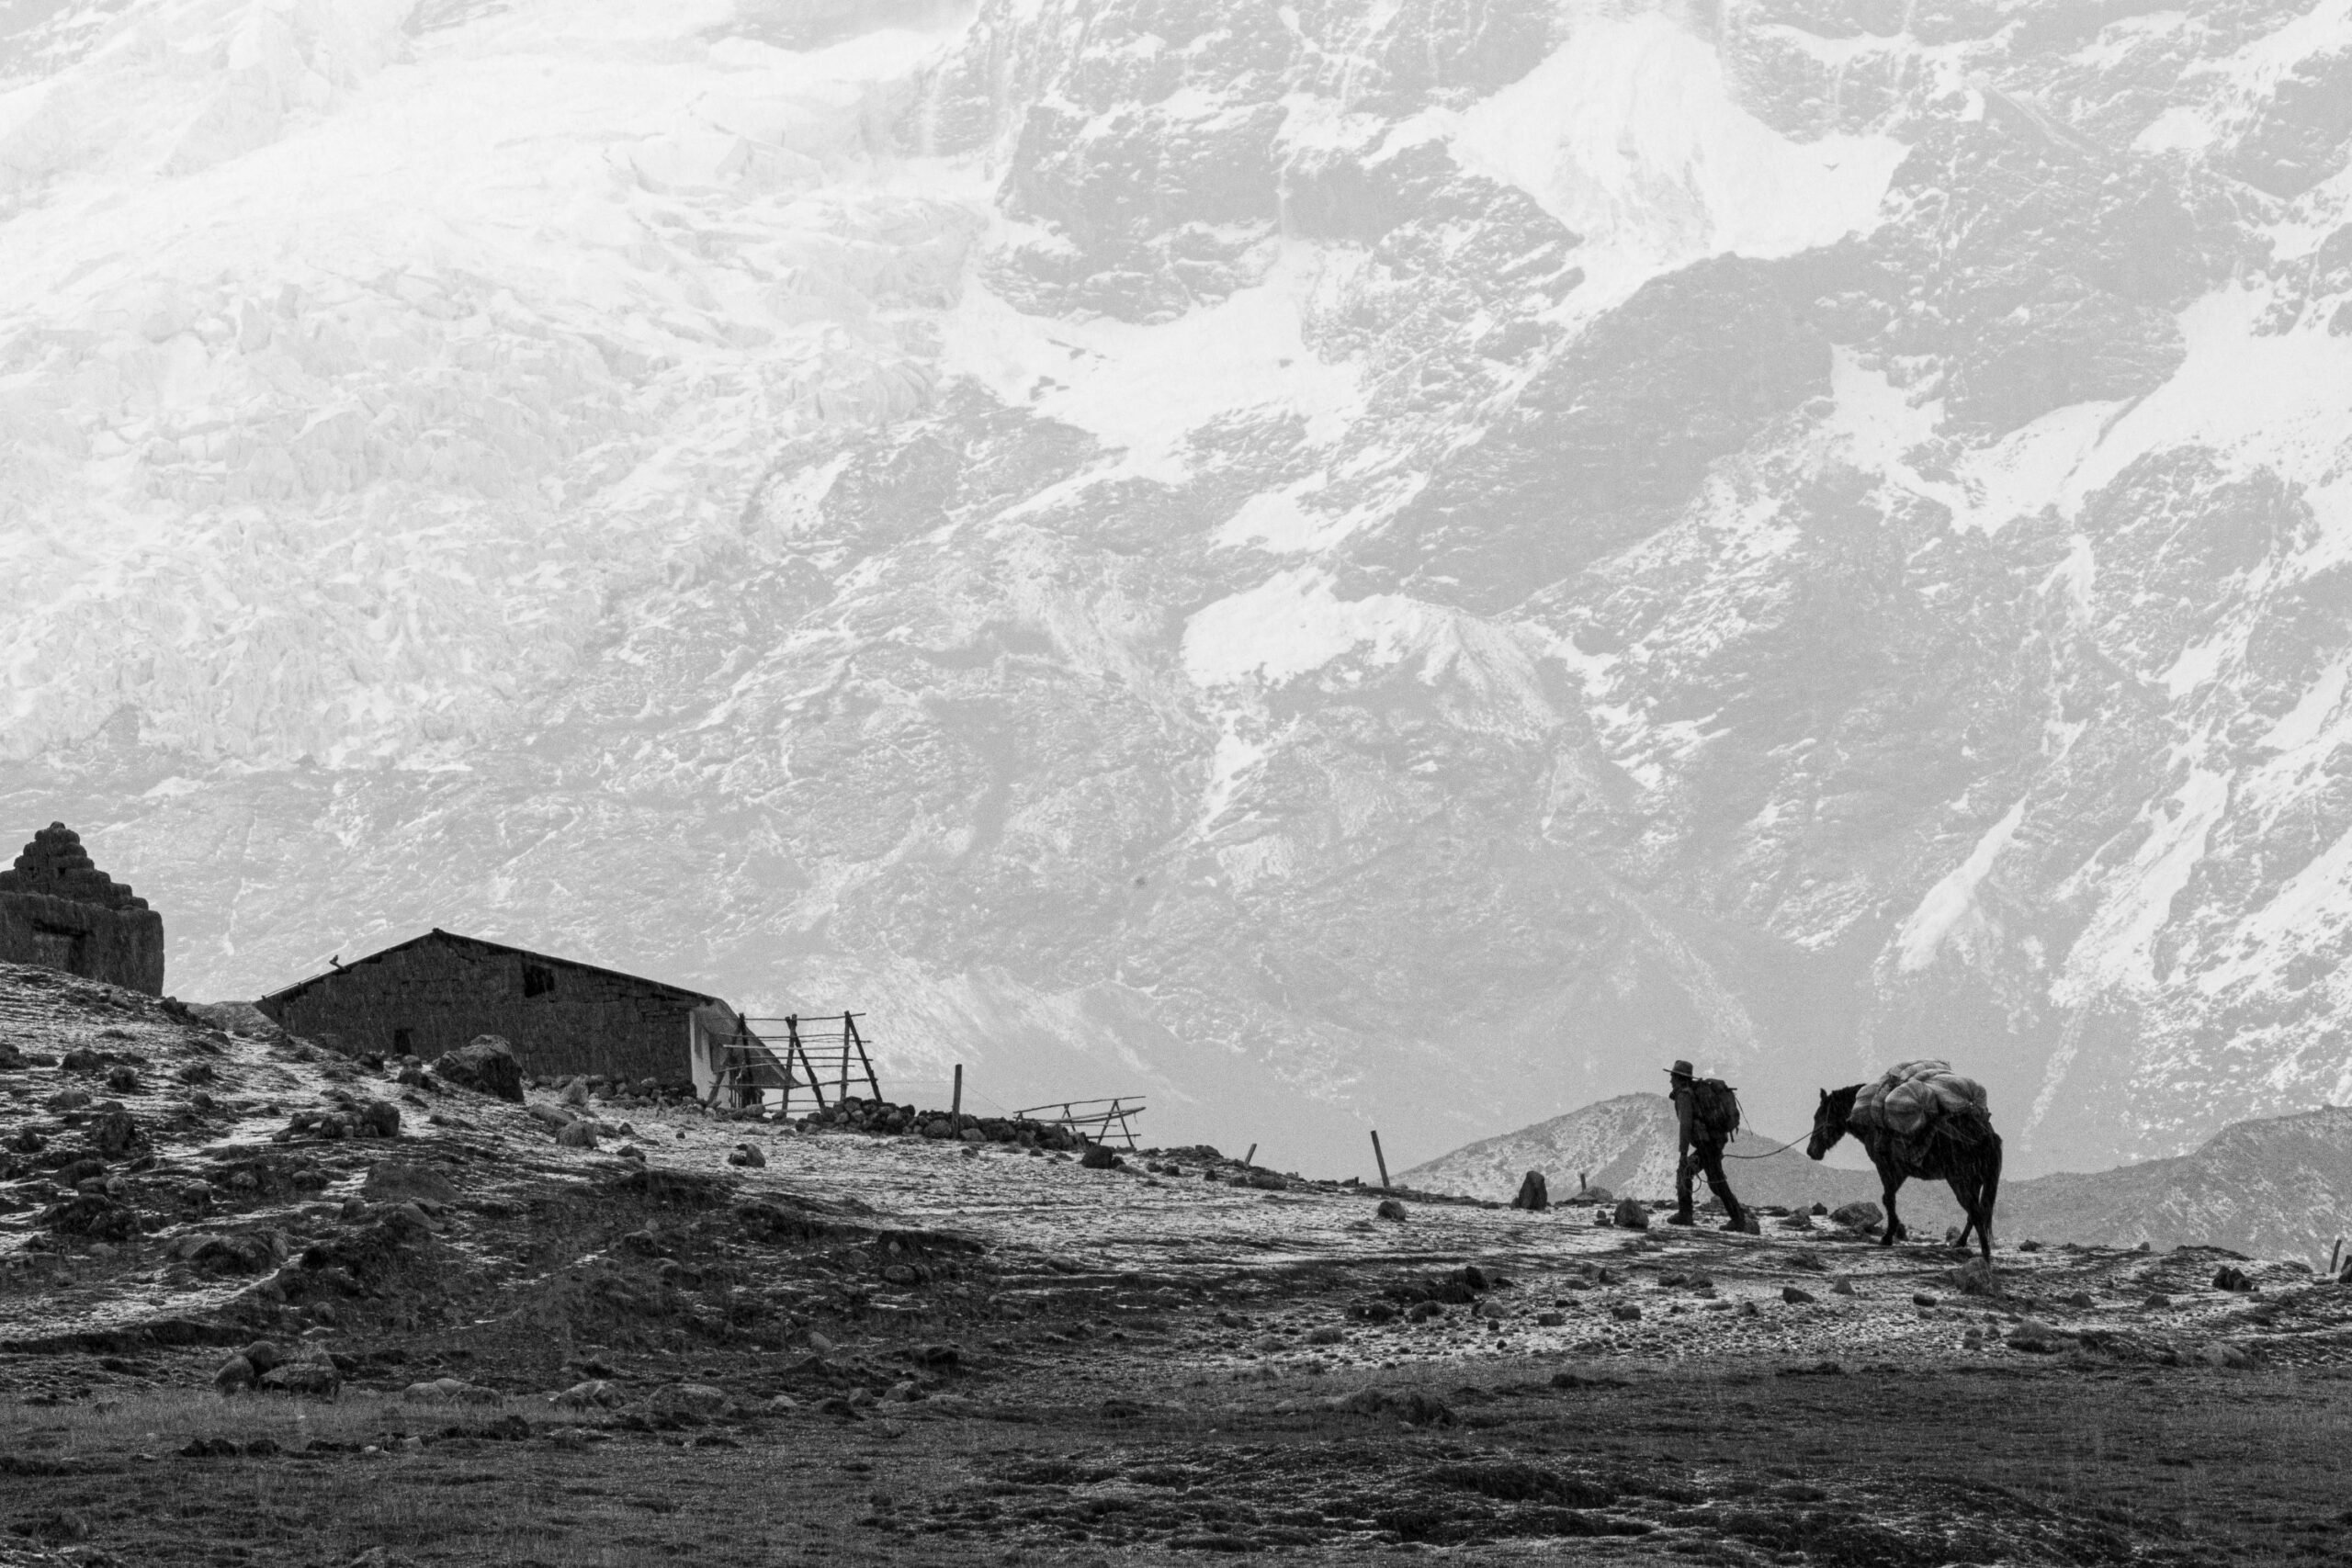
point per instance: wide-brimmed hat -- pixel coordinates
(1680, 1069)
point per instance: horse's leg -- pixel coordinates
(1963, 1192)
(1890, 1178)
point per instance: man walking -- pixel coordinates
(1706, 1115)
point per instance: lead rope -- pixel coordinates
(1768, 1154)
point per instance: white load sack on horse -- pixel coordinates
(1912, 1096)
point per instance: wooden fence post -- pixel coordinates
(1381, 1159)
(956, 1108)
(1250, 1159)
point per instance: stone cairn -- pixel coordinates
(56, 865)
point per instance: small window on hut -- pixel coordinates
(538, 979)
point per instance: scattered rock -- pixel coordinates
(1975, 1278)
(1390, 1209)
(449, 1391)
(1631, 1214)
(1795, 1297)
(1533, 1192)
(1842, 1288)
(2038, 1337)
(114, 1134)
(593, 1393)
(2231, 1278)
(486, 1067)
(235, 1373)
(1923, 1299)
(1411, 1405)
(396, 1181)
(2223, 1353)
(1551, 1319)
(1268, 1181)
(1625, 1312)
(747, 1154)
(1097, 1157)
(1859, 1216)
(580, 1135)
(317, 1379)
(1799, 1220)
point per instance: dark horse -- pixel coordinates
(1961, 1150)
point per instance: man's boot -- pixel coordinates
(1739, 1221)
(1682, 1217)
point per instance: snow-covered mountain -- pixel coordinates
(1364, 562)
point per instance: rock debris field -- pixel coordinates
(262, 1303)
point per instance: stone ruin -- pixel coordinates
(60, 911)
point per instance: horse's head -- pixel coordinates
(1829, 1119)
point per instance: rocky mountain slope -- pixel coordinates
(2274, 1188)
(1346, 564)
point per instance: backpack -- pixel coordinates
(1714, 1107)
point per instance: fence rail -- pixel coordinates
(1108, 1118)
(823, 1057)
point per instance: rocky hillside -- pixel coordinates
(1347, 564)
(2273, 1188)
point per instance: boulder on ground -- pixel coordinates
(2229, 1277)
(1595, 1195)
(2223, 1353)
(1795, 1297)
(593, 1393)
(1975, 1278)
(1098, 1158)
(1534, 1192)
(1269, 1181)
(1631, 1214)
(575, 1093)
(701, 1397)
(580, 1135)
(113, 1132)
(747, 1154)
(486, 1067)
(2038, 1337)
(396, 1181)
(316, 1380)
(1408, 1405)
(1859, 1216)
(238, 1253)
(1390, 1209)
(235, 1373)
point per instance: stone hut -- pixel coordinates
(435, 992)
(61, 912)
